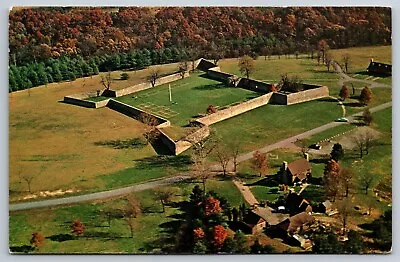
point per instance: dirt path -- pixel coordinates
(245, 191)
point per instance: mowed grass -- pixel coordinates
(271, 70)
(150, 228)
(140, 76)
(55, 223)
(378, 163)
(54, 142)
(360, 56)
(272, 123)
(191, 97)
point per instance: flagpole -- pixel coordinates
(170, 95)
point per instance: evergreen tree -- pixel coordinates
(42, 75)
(33, 76)
(337, 152)
(327, 244)
(354, 244)
(12, 84)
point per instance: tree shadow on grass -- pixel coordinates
(269, 181)
(163, 161)
(328, 99)
(61, 237)
(353, 104)
(314, 194)
(21, 249)
(211, 87)
(122, 144)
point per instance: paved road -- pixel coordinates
(99, 195)
(122, 191)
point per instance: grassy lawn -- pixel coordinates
(306, 69)
(97, 98)
(378, 162)
(272, 123)
(191, 97)
(360, 56)
(73, 158)
(99, 237)
(55, 223)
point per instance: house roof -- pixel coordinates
(298, 220)
(267, 215)
(380, 68)
(299, 168)
(296, 202)
(252, 219)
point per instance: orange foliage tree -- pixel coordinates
(78, 228)
(259, 163)
(219, 236)
(212, 206)
(37, 240)
(198, 234)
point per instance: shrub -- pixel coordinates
(124, 76)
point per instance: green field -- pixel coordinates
(150, 227)
(191, 97)
(272, 123)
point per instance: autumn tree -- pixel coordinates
(367, 117)
(346, 177)
(164, 195)
(259, 162)
(235, 150)
(198, 234)
(346, 60)
(201, 149)
(246, 65)
(366, 180)
(331, 179)
(219, 236)
(151, 133)
(132, 210)
(212, 206)
(106, 80)
(28, 178)
(365, 96)
(345, 210)
(344, 93)
(77, 228)
(323, 47)
(223, 156)
(37, 240)
(363, 140)
(153, 76)
(328, 61)
(183, 68)
(211, 109)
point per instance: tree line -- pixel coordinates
(37, 34)
(68, 68)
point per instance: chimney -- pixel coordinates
(306, 156)
(284, 165)
(371, 60)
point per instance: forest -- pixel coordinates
(55, 44)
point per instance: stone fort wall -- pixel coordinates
(235, 110)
